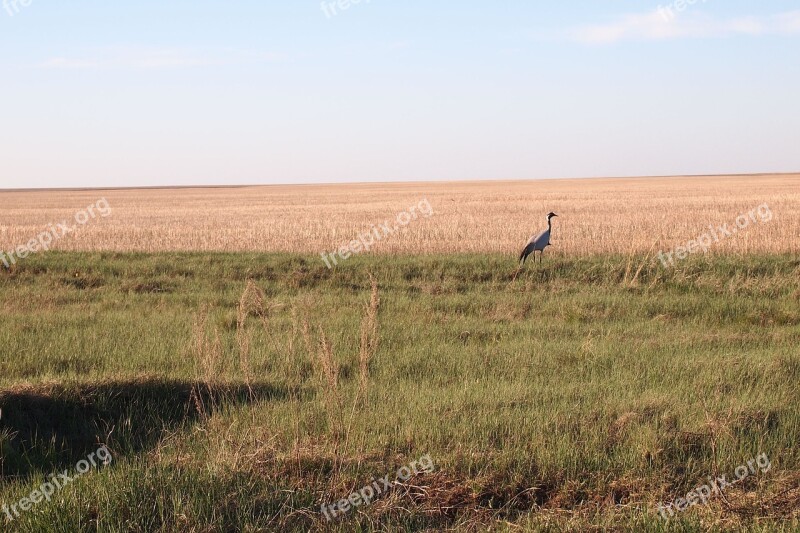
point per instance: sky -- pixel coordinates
(117, 94)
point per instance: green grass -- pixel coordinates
(572, 398)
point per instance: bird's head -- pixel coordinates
(550, 216)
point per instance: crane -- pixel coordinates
(538, 242)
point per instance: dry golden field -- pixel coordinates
(596, 216)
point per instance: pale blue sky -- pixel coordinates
(99, 93)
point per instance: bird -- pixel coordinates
(538, 242)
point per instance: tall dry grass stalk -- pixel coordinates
(253, 302)
(327, 369)
(295, 380)
(207, 348)
(369, 336)
(367, 350)
(330, 368)
(252, 299)
(208, 356)
(294, 361)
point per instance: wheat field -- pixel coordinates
(596, 216)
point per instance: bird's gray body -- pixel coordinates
(538, 242)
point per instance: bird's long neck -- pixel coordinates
(549, 223)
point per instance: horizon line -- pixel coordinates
(397, 182)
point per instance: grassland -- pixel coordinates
(240, 391)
